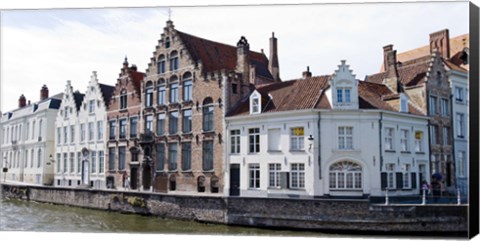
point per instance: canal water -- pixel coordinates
(17, 215)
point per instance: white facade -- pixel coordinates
(460, 117)
(80, 138)
(27, 142)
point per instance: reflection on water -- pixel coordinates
(32, 216)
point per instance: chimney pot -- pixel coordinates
(44, 92)
(21, 101)
(307, 74)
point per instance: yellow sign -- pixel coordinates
(298, 131)
(418, 135)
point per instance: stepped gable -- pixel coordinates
(216, 56)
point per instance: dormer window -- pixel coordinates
(344, 88)
(343, 95)
(255, 103)
(403, 103)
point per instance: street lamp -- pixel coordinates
(5, 169)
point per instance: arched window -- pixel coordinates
(33, 130)
(149, 94)
(161, 93)
(39, 158)
(123, 99)
(161, 64)
(174, 89)
(174, 61)
(187, 86)
(31, 158)
(208, 114)
(345, 175)
(40, 123)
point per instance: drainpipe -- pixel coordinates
(319, 148)
(452, 142)
(380, 140)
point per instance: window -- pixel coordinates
(161, 64)
(461, 164)
(91, 131)
(160, 148)
(100, 162)
(173, 90)
(187, 121)
(33, 131)
(31, 160)
(93, 160)
(79, 162)
(207, 155)
(446, 135)
(297, 174)
(274, 175)
(460, 119)
(345, 175)
(65, 159)
(149, 94)
(434, 134)
(123, 128)
(235, 141)
(297, 139)
(172, 156)
(234, 88)
(208, 115)
(187, 86)
(433, 105)
(91, 106)
(444, 106)
(186, 156)
(173, 123)
(65, 112)
(459, 96)
(254, 175)
(173, 61)
(59, 135)
(403, 103)
(162, 96)
(167, 43)
(160, 124)
(404, 136)
(59, 157)
(345, 137)
(65, 134)
(389, 135)
(390, 168)
(123, 99)
(133, 126)
(148, 123)
(254, 140)
(72, 162)
(121, 158)
(27, 133)
(255, 105)
(343, 95)
(418, 141)
(406, 176)
(82, 132)
(40, 129)
(72, 134)
(99, 130)
(111, 125)
(111, 158)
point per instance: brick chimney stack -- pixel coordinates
(44, 92)
(307, 74)
(440, 42)
(273, 63)
(243, 65)
(390, 63)
(22, 101)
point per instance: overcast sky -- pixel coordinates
(51, 46)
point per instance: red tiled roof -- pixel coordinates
(409, 75)
(216, 56)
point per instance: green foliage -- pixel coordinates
(136, 202)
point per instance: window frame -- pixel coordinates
(297, 176)
(345, 140)
(254, 176)
(235, 141)
(253, 140)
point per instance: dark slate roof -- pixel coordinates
(216, 56)
(78, 97)
(409, 75)
(107, 92)
(55, 104)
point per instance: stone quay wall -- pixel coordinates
(323, 215)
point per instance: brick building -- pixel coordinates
(190, 85)
(123, 116)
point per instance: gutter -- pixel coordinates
(380, 139)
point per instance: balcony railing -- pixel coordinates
(148, 136)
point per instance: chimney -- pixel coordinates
(273, 63)
(243, 50)
(440, 42)
(44, 92)
(22, 101)
(307, 74)
(390, 63)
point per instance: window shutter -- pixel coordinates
(284, 180)
(383, 180)
(399, 180)
(414, 180)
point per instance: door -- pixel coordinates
(147, 177)
(133, 178)
(234, 179)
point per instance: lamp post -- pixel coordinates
(5, 169)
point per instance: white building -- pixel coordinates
(80, 136)
(458, 78)
(27, 143)
(326, 136)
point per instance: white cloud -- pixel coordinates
(50, 48)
